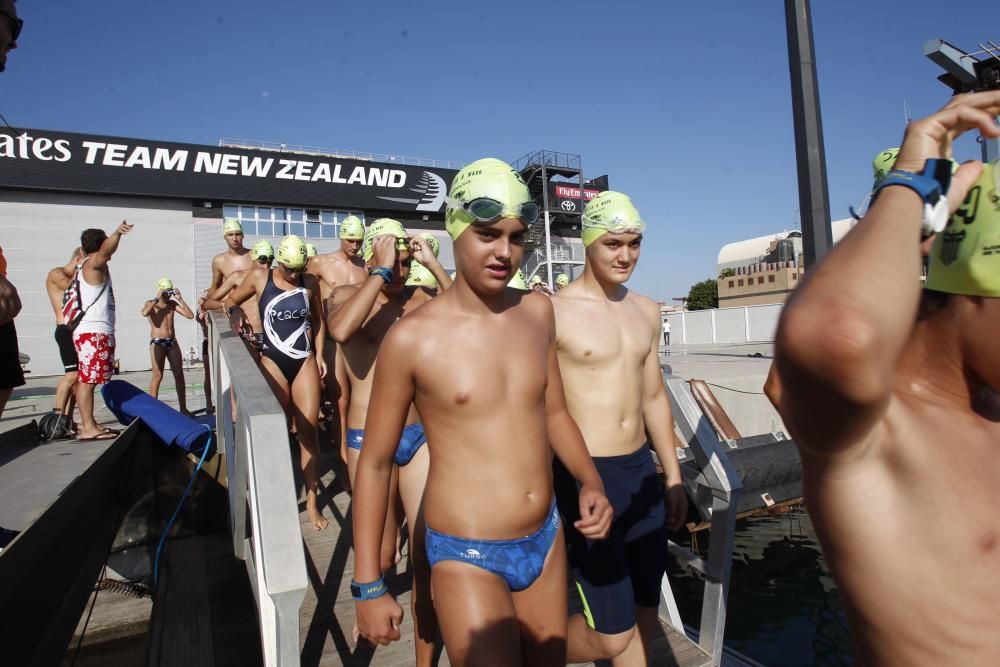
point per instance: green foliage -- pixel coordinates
(703, 295)
(727, 273)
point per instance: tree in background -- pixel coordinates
(726, 273)
(703, 295)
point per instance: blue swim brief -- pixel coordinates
(413, 438)
(518, 562)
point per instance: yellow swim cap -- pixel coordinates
(263, 248)
(381, 227)
(536, 279)
(562, 280)
(517, 282)
(883, 163)
(164, 284)
(965, 257)
(311, 250)
(420, 275)
(292, 252)
(231, 225)
(610, 212)
(486, 178)
(432, 242)
(352, 229)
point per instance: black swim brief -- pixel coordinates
(67, 351)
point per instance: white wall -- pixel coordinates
(742, 324)
(38, 231)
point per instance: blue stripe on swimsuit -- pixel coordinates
(518, 562)
(413, 439)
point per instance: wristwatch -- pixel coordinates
(382, 272)
(932, 185)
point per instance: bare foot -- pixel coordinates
(317, 519)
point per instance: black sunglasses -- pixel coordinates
(16, 25)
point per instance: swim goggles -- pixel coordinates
(269, 258)
(485, 209)
(616, 225)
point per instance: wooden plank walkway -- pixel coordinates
(327, 615)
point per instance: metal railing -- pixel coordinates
(390, 158)
(263, 507)
(718, 475)
(549, 159)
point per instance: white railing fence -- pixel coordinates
(741, 324)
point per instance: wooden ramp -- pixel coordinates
(327, 614)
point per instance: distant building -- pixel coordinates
(765, 269)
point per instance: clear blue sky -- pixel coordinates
(685, 105)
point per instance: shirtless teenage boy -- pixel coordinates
(479, 363)
(162, 338)
(235, 258)
(292, 350)
(608, 337)
(56, 282)
(262, 254)
(359, 318)
(891, 394)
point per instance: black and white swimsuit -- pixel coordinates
(285, 319)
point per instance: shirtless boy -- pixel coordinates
(292, 350)
(56, 282)
(359, 318)
(163, 338)
(891, 394)
(262, 254)
(235, 258)
(479, 363)
(607, 337)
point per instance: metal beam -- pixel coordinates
(952, 60)
(814, 198)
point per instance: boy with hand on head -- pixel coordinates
(479, 363)
(162, 342)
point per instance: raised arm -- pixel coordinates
(182, 307)
(659, 422)
(568, 444)
(422, 253)
(349, 306)
(392, 393)
(110, 245)
(842, 332)
(316, 319)
(147, 308)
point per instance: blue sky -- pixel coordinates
(685, 105)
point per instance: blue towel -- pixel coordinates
(127, 402)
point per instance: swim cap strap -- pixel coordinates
(932, 185)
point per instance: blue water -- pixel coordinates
(783, 605)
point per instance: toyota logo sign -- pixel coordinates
(568, 205)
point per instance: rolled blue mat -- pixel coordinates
(127, 402)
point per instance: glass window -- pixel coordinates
(740, 282)
(296, 215)
(229, 211)
(359, 214)
(249, 228)
(328, 217)
(280, 214)
(263, 213)
(329, 232)
(760, 280)
(730, 283)
(770, 279)
(247, 212)
(297, 228)
(265, 229)
(312, 215)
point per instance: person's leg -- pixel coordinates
(305, 413)
(157, 359)
(177, 368)
(63, 392)
(389, 554)
(640, 647)
(477, 617)
(412, 480)
(209, 407)
(4, 397)
(541, 611)
(343, 385)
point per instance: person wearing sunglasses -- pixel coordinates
(291, 318)
(479, 364)
(607, 338)
(163, 344)
(251, 332)
(10, 30)
(360, 317)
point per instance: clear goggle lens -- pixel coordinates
(485, 209)
(617, 225)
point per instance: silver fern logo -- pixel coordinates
(431, 190)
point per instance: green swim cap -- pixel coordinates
(352, 229)
(420, 275)
(311, 250)
(231, 225)
(432, 242)
(610, 212)
(517, 282)
(965, 256)
(536, 279)
(381, 227)
(882, 164)
(490, 178)
(263, 248)
(164, 284)
(562, 280)
(292, 252)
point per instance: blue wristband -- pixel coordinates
(375, 589)
(382, 272)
